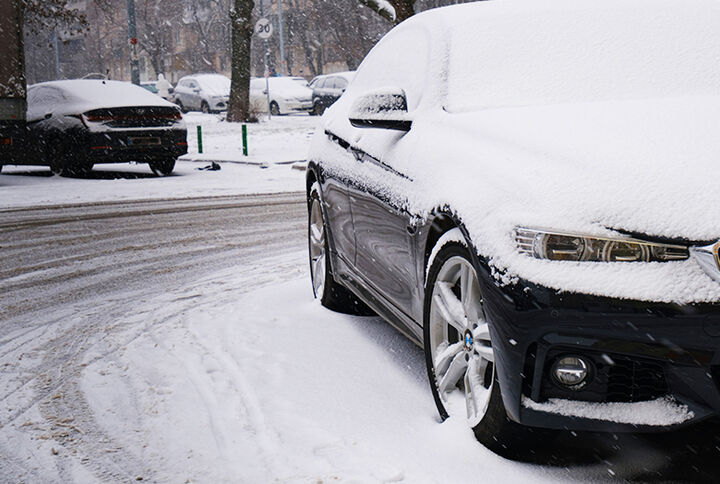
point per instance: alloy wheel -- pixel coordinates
(317, 248)
(460, 345)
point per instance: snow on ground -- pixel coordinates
(274, 147)
(246, 384)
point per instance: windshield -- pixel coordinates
(554, 57)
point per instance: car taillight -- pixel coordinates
(5, 141)
(97, 118)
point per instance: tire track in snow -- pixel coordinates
(56, 325)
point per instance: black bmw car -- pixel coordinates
(527, 191)
(75, 124)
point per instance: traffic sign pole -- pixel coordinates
(264, 30)
(132, 33)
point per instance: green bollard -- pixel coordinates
(199, 136)
(244, 140)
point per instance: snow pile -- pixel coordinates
(620, 153)
(659, 412)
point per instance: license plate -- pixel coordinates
(144, 141)
(5, 141)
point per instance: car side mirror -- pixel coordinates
(48, 115)
(196, 90)
(171, 90)
(384, 108)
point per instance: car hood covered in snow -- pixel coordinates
(649, 166)
(568, 157)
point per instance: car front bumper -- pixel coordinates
(299, 106)
(643, 357)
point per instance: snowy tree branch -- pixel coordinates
(382, 8)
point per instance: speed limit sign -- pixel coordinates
(264, 28)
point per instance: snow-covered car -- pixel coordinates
(287, 95)
(328, 88)
(75, 124)
(527, 189)
(203, 92)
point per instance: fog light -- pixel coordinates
(570, 371)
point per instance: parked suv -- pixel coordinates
(328, 89)
(203, 92)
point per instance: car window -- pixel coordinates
(331, 83)
(43, 100)
(340, 83)
(320, 83)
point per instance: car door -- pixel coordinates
(329, 91)
(341, 85)
(384, 228)
(193, 94)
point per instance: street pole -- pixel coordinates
(267, 64)
(282, 38)
(56, 47)
(132, 33)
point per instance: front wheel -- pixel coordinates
(331, 294)
(162, 167)
(205, 107)
(274, 109)
(460, 357)
(318, 109)
(182, 107)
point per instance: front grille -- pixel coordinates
(634, 381)
(134, 117)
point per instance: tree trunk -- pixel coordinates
(242, 32)
(404, 9)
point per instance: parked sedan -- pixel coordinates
(287, 95)
(328, 89)
(527, 190)
(203, 92)
(75, 124)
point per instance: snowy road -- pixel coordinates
(177, 341)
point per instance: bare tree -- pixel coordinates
(242, 31)
(156, 20)
(208, 19)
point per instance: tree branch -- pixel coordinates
(381, 7)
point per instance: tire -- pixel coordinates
(331, 294)
(62, 164)
(274, 109)
(460, 359)
(162, 167)
(1, 168)
(318, 109)
(205, 107)
(181, 106)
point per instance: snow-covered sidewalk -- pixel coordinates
(274, 164)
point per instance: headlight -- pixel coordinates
(543, 244)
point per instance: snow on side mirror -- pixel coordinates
(384, 108)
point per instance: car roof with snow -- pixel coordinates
(80, 95)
